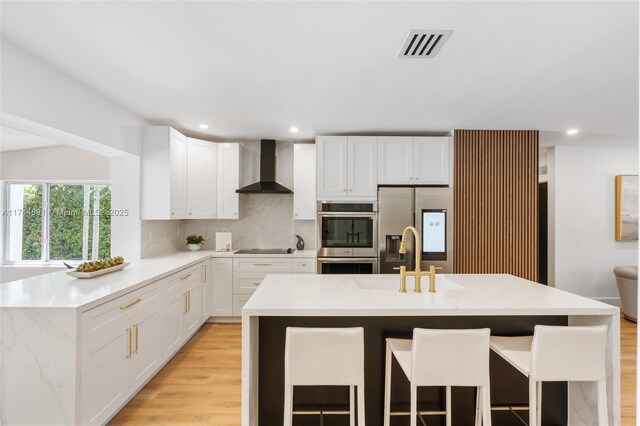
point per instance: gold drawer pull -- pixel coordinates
(184, 296)
(262, 264)
(189, 301)
(130, 304)
(129, 349)
(135, 326)
(185, 277)
(256, 283)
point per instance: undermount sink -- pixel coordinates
(391, 282)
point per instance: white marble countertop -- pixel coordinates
(58, 290)
(378, 295)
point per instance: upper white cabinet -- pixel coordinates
(304, 181)
(185, 178)
(395, 159)
(202, 178)
(406, 160)
(431, 160)
(347, 167)
(228, 180)
(164, 173)
(332, 164)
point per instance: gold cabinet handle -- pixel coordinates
(205, 274)
(129, 348)
(184, 296)
(256, 283)
(189, 301)
(262, 264)
(130, 304)
(185, 277)
(135, 326)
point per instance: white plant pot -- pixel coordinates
(193, 247)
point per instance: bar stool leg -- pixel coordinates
(288, 405)
(361, 405)
(533, 404)
(352, 406)
(414, 405)
(448, 404)
(478, 412)
(486, 405)
(539, 400)
(387, 387)
(603, 415)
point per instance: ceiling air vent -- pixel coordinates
(424, 43)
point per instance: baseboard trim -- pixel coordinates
(224, 320)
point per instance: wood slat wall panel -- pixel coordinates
(496, 202)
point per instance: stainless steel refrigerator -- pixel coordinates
(430, 210)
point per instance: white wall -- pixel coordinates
(34, 90)
(54, 163)
(582, 246)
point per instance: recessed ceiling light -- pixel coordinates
(204, 126)
(293, 129)
(572, 131)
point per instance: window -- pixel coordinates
(57, 221)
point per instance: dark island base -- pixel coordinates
(507, 385)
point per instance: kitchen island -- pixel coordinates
(506, 304)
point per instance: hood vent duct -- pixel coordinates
(267, 183)
(424, 43)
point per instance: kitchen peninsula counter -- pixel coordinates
(506, 304)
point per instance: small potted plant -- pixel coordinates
(194, 242)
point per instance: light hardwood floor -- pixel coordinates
(201, 384)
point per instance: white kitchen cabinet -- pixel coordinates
(174, 307)
(347, 167)
(431, 160)
(145, 350)
(332, 163)
(362, 174)
(123, 355)
(395, 160)
(303, 265)
(222, 285)
(193, 314)
(304, 181)
(202, 178)
(238, 303)
(207, 290)
(163, 174)
(228, 180)
(407, 160)
(105, 374)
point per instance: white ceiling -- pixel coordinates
(14, 140)
(254, 69)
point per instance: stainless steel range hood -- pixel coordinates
(267, 183)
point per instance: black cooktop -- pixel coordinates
(265, 251)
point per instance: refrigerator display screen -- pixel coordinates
(434, 234)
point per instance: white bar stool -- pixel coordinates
(324, 357)
(554, 354)
(442, 358)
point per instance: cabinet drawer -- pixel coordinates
(305, 265)
(261, 264)
(247, 282)
(238, 304)
(104, 316)
(182, 278)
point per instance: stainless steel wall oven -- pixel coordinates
(347, 234)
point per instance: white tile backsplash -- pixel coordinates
(161, 237)
(266, 221)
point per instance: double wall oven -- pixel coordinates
(347, 238)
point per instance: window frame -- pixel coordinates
(46, 184)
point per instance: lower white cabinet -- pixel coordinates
(207, 290)
(238, 303)
(222, 284)
(121, 358)
(126, 340)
